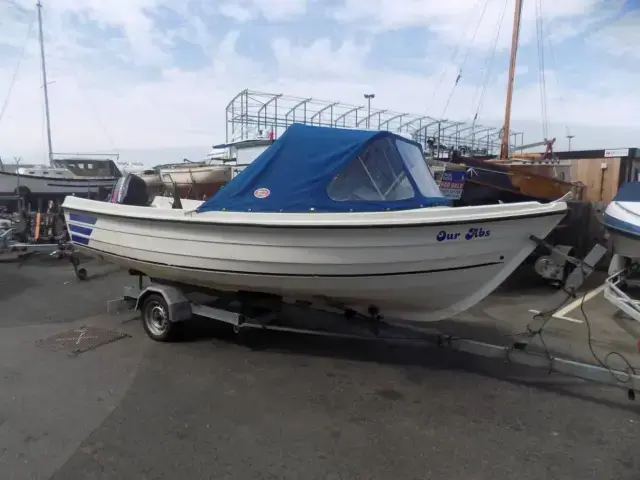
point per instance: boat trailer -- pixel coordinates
(621, 276)
(60, 249)
(164, 307)
(32, 233)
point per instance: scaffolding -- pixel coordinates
(251, 113)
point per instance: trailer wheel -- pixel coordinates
(155, 319)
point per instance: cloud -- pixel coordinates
(235, 11)
(620, 38)
(272, 10)
(156, 75)
(319, 57)
(454, 20)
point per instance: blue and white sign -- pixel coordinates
(452, 183)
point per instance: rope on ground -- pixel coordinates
(531, 333)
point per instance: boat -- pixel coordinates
(196, 180)
(621, 220)
(339, 217)
(488, 183)
(65, 176)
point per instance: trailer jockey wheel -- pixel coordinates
(81, 273)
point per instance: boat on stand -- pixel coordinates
(621, 220)
(332, 216)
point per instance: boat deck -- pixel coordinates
(294, 407)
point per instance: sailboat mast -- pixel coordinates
(44, 83)
(517, 16)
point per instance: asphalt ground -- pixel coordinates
(285, 406)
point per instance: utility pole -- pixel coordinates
(44, 83)
(569, 137)
(369, 96)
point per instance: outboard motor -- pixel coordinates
(177, 203)
(130, 190)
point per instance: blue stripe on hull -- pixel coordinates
(620, 225)
(79, 239)
(77, 217)
(81, 230)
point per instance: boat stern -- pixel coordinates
(79, 222)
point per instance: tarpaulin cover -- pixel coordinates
(294, 173)
(629, 192)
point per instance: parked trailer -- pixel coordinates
(165, 307)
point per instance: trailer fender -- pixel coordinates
(179, 305)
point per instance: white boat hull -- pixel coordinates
(40, 185)
(622, 222)
(401, 262)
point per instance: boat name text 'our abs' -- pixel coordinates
(443, 235)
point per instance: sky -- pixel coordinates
(150, 79)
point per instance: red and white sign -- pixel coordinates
(261, 193)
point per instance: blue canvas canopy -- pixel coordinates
(629, 192)
(325, 169)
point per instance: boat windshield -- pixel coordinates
(379, 173)
(418, 169)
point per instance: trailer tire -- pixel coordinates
(155, 319)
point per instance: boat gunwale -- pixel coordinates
(77, 179)
(407, 223)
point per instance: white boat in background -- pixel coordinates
(334, 216)
(67, 176)
(622, 221)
